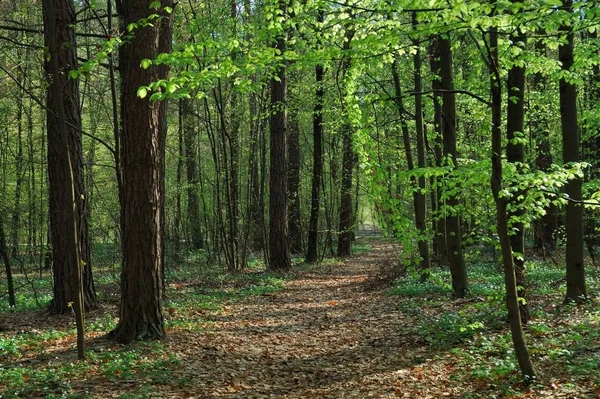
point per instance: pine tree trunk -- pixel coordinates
(143, 155)
(57, 174)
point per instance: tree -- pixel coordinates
(515, 154)
(576, 288)
(143, 156)
(510, 280)
(61, 143)
(456, 260)
(279, 248)
(59, 176)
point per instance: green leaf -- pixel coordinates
(142, 92)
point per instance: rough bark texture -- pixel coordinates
(510, 281)
(143, 160)
(62, 108)
(453, 237)
(60, 207)
(576, 287)
(279, 250)
(313, 235)
(515, 153)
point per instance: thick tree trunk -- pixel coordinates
(60, 207)
(143, 156)
(510, 282)
(279, 249)
(453, 237)
(576, 287)
(515, 153)
(62, 99)
(313, 235)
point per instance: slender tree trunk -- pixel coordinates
(419, 198)
(345, 228)
(544, 228)
(143, 156)
(7, 267)
(279, 249)
(510, 282)
(313, 235)
(293, 181)
(63, 102)
(515, 153)
(453, 237)
(191, 165)
(576, 287)
(440, 230)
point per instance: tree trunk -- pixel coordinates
(63, 105)
(440, 225)
(419, 198)
(60, 207)
(293, 181)
(191, 167)
(143, 155)
(279, 249)
(544, 228)
(515, 153)
(7, 267)
(576, 287)
(453, 238)
(313, 235)
(512, 300)
(345, 221)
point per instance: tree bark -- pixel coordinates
(317, 117)
(440, 225)
(279, 249)
(515, 153)
(576, 287)
(510, 282)
(143, 156)
(59, 176)
(7, 266)
(63, 108)
(453, 237)
(293, 181)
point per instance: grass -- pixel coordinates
(564, 340)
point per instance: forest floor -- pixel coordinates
(332, 330)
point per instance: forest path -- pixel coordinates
(322, 336)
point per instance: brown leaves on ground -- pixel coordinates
(322, 336)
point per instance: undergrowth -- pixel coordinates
(564, 340)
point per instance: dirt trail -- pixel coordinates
(322, 336)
